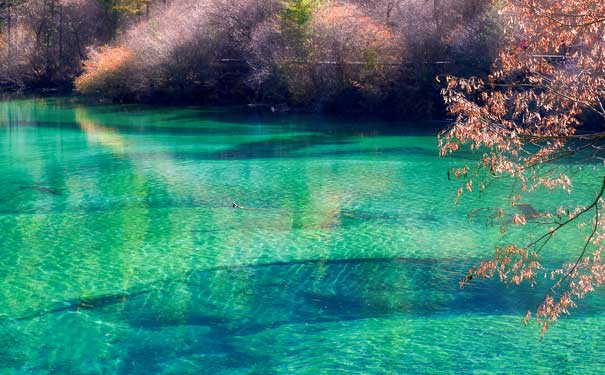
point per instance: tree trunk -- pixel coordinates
(437, 18)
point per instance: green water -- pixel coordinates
(120, 252)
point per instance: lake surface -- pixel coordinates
(120, 252)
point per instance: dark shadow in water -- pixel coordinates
(288, 150)
(84, 303)
(278, 147)
(317, 291)
(244, 122)
(307, 291)
(211, 310)
(275, 148)
(244, 116)
(41, 189)
(272, 148)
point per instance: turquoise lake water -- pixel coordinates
(120, 252)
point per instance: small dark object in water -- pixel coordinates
(237, 206)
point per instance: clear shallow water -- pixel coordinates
(120, 252)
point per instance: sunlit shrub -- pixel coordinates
(361, 48)
(188, 50)
(107, 71)
(312, 53)
(345, 54)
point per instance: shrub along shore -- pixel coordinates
(378, 56)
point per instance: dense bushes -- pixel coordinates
(188, 50)
(107, 72)
(342, 55)
(44, 41)
(340, 52)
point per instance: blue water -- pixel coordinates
(120, 252)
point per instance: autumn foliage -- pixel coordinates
(537, 116)
(349, 55)
(342, 50)
(43, 42)
(107, 70)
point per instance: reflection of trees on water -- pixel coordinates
(158, 217)
(132, 212)
(142, 243)
(123, 220)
